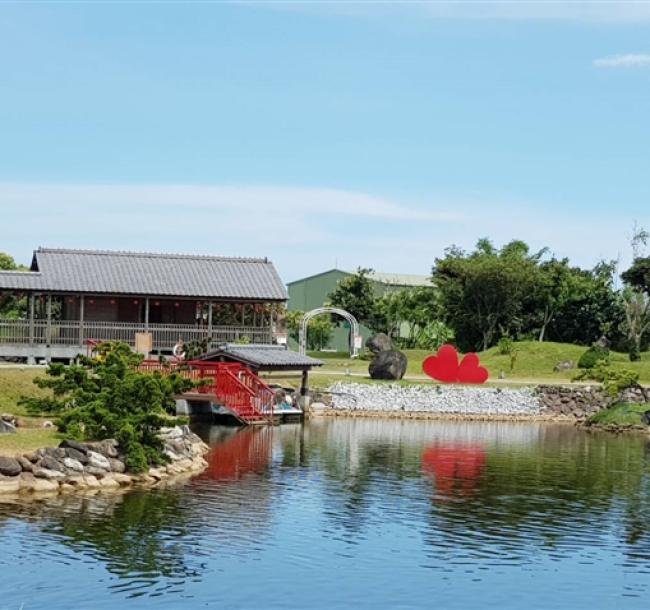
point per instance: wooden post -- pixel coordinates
(48, 331)
(243, 314)
(304, 384)
(146, 315)
(209, 319)
(82, 314)
(32, 307)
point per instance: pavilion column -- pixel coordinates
(146, 315)
(243, 314)
(210, 304)
(48, 328)
(82, 315)
(272, 329)
(304, 386)
(32, 308)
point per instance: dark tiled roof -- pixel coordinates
(149, 274)
(270, 356)
(20, 280)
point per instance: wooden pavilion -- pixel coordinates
(70, 298)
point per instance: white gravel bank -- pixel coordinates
(461, 400)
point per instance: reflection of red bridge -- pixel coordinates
(456, 467)
(232, 384)
(246, 451)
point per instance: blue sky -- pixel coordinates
(370, 134)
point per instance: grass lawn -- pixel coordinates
(621, 414)
(14, 383)
(28, 439)
(534, 364)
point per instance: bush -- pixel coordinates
(614, 380)
(505, 346)
(107, 397)
(594, 355)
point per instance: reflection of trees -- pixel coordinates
(548, 487)
(570, 487)
(139, 532)
(142, 536)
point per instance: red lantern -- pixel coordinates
(177, 304)
(135, 301)
(157, 304)
(91, 301)
(112, 301)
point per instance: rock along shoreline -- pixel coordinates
(76, 466)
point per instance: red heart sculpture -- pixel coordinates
(470, 371)
(444, 367)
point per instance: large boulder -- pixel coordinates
(379, 343)
(388, 365)
(75, 445)
(9, 467)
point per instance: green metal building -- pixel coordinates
(311, 292)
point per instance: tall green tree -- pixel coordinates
(636, 304)
(356, 295)
(592, 308)
(636, 295)
(483, 293)
(638, 275)
(419, 309)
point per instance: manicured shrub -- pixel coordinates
(614, 380)
(108, 397)
(594, 355)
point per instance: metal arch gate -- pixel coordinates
(355, 336)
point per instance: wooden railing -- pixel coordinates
(164, 336)
(239, 389)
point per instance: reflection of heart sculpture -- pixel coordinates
(444, 367)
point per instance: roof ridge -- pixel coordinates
(241, 259)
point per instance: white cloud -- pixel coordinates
(277, 199)
(299, 228)
(302, 230)
(628, 60)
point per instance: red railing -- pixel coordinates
(240, 390)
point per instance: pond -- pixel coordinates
(366, 513)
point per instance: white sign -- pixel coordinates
(358, 341)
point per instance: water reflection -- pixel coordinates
(352, 500)
(238, 452)
(455, 469)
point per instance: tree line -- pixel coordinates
(479, 297)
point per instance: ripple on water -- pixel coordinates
(370, 513)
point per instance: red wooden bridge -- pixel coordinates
(234, 386)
